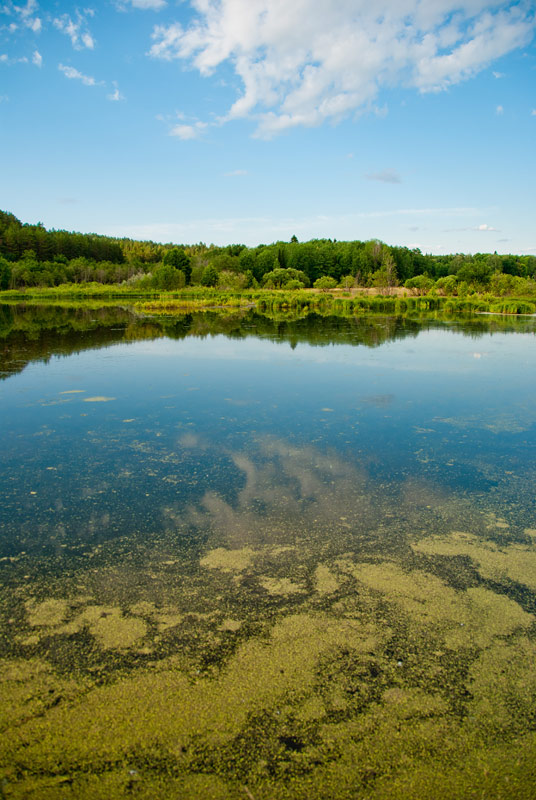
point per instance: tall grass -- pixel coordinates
(274, 301)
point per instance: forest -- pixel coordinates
(32, 256)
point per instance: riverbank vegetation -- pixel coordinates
(302, 301)
(33, 257)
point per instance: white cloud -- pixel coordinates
(34, 24)
(37, 58)
(533, 112)
(116, 95)
(186, 132)
(499, 110)
(498, 74)
(4, 98)
(26, 15)
(151, 5)
(303, 62)
(74, 74)
(484, 228)
(77, 30)
(385, 176)
(5, 59)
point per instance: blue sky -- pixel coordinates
(411, 121)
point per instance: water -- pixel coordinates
(269, 557)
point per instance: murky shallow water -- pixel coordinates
(280, 559)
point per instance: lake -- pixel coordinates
(245, 556)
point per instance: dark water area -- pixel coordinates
(280, 557)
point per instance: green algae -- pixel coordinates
(228, 560)
(500, 562)
(300, 650)
(279, 586)
(325, 580)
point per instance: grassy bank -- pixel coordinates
(335, 302)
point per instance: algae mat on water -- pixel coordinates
(294, 666)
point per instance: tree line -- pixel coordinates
(31, 255)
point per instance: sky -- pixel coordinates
(249, 121)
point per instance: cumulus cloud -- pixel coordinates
(186, 132)
(498, 74)
(37, 58)
(385, 176)
(304, 62)
(485, 228)
(76, 29)
(74, 74)
(499, 111)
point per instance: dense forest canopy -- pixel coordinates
(31, 255)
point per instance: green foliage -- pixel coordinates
(346, 282)
(209, 276)
(5, 273)
(39, 257)
(280, 277)
(232, 280)
(325, 283)
(420, 283)
(295, 284)
(167, 277)
(513, 307)
(447, 285)
(178, 259)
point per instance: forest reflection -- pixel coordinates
(36, 332)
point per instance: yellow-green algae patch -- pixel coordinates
(162, 708)
(282, 586)
(326, 582)
(164, 617)
(229, 560)
(498, 562)
(98, 399)
(277, 718)
(49, 613)
(230, 625)
(503, 687)
(111, 628)
(464, 618)
(28, 687)
(108, 624)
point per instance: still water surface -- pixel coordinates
(270, 558)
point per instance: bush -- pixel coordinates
(166, 278)
(325, 283)
(294, 284)
(421, 284)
